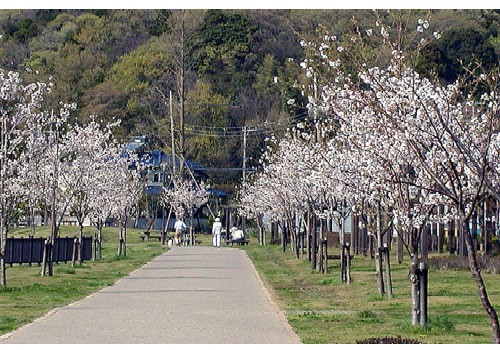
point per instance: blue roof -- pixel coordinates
(154, 158)
(157, 157)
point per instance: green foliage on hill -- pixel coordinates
(240, 67)
(455, 51)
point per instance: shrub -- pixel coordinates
(441, 323)
(368, 316)
(66, 269)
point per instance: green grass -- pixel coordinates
(29, 295)
(322, 310)
(319, 307)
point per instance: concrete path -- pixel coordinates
(194, 295)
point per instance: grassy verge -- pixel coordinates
(319, 307)
(322, 310)
(29, 295)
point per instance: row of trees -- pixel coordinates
(51, 167)
(386, 142)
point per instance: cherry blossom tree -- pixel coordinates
(185, 198)
(94, 148)
(128, 189)
(435, 151)
(288, 188)
(32, 176)
(20, 108)
(403, 144)
(105, 190)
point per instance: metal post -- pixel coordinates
(423, 269)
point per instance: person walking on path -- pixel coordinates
(216, 231)
(179, 227)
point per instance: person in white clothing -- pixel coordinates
(216, 231)
(238, 235)
(179, 227)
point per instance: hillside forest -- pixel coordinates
(225, 69)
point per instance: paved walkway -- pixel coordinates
(194, 295)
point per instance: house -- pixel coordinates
(158, 175)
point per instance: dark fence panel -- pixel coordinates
(30, 250)
(87, 248)
(24, 250)
(63, 249)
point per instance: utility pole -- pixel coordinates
(244, 152)
(182, 88)
(172, 135)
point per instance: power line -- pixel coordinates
(266, 125)
(225, 132)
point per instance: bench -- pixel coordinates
(237, 242)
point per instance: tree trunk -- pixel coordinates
(476, 273)
(485, 228)
(415, 301)
(461, 239)
(274, 231)
(191, 232)
(45, 214)
(400, 248)
(388, 272)
(388, 278)
(94, 247)
(80, 245)
(32, 222)
(423, 275)
(319, 265)
(120, 238)
(308, 235)
(451, 235)
(260, 226)
(294, 238)
(378, 257)
(165, 225)
(125, 237)
(314, 244)
(44, 258)
(342, 246)
(283, 237)
(3, 244)
(439, 233)
(119, 252)
(262, 240)
(75, 252)
(348, 263)
(99, 241)
(354, 235)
